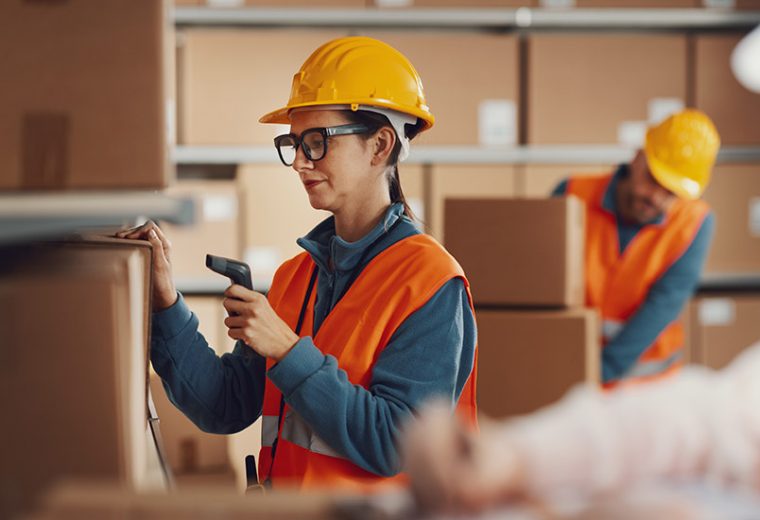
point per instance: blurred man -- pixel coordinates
(647, 236)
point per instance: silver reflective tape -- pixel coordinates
(611, 328)
(268, 430)
(295, 430)
(652, 368)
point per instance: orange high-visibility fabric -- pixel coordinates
(617, 285)
(396, 283)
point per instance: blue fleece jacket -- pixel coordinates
(666, 297)
(429, 356)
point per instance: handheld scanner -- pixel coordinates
(238, 272)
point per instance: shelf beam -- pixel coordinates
(522, 18)
(581, 154)
(32, 216)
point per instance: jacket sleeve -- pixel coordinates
(219, 394)
(430, 355)
(661, 307)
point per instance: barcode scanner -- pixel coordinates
(238, 272)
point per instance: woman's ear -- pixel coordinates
(384, 141)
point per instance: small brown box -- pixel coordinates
(723, 326)
(519, 252)
(529, 359)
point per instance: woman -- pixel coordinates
(371, 321)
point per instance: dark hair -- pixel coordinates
(375, 122)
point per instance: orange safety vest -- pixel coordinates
(397, 282)
(617, 285)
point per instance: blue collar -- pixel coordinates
(609, 201)
(323, 244)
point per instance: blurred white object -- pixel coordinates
(745, 61)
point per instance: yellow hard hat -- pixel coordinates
(356, 71)
(681, 152)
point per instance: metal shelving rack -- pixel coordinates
(28, 216)
(523, 20)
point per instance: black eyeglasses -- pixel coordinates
(313, 141)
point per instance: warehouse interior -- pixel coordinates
(121, 113)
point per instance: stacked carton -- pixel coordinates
(74, 384)
(524, 260)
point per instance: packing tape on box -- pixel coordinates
(45, 149)
(754, 216)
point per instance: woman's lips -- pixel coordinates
(310, 184)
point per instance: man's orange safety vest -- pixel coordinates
(617, 284)
(396, 283)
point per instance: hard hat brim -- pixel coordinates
(683, 187)
(281, 115)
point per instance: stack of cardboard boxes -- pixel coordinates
(524, 260)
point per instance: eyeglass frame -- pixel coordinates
(325, 131)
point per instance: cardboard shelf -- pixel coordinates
(522, 18)
(32, 216)
(581, 154)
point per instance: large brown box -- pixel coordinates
(734, 109)
(576, 94)
(734, 194)
(231, 77)
(217, 229)
(519, 252)
(722, 326)
(84, 95)
(453, 3)
(472, 103)
(529, 359)
(73, 388)
(465, 181)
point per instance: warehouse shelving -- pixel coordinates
(521, 18)
(582, 154)
(30, 216)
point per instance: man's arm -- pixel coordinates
(662, 305)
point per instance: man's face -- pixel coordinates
(641, 199)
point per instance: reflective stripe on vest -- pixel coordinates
(611, 328)
(295, 430)
(268, 430)
(652, 368)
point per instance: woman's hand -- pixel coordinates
(455, 470)
(164, 291)
(256, 324)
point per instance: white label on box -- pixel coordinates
(557, 3)
(754, 217)
(632, 133)
(171, 122)
(717, 312)
(660, 108)
(497, 122)
(219, 208)
(720, 4)
(418, 206)
(225, 3)
(263, 261)
(393, 3)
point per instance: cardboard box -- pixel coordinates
(465, 181)
(575, 91)
(539, 180)
(519, 252)
(73, 118)
(722, 326)
(473, 103)
(734, 109)
(529, 359)
(231, 77)
(81, 412)
(734, 194)
(218, 228)
(188, 449)
(638, 4)
(85, 499)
